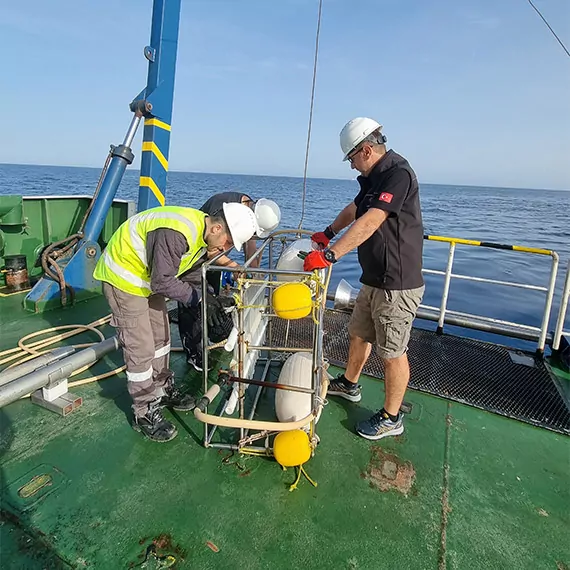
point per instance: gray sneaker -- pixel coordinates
(338, 388)
(380, 425)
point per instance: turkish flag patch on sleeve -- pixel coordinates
(386, 197)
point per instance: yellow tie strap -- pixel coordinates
(301, 470)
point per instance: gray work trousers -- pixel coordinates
(144, 333)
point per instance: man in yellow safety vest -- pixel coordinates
(139, 268)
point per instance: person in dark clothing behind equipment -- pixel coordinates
(386, 226)
(268, 216)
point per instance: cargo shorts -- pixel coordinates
(385, 317)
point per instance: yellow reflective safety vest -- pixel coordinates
(124, 265)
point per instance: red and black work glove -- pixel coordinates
(315, 260)
(323, 238)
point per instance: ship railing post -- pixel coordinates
(548, 304)
(446, 285)
(562, 311)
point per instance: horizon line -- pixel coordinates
(288, 176)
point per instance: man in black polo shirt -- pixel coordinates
(386, 226)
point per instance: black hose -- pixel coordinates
(48, 259)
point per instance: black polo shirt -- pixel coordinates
(391, 258)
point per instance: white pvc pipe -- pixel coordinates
(232, 339)
(232, 400)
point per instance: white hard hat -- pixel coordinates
(354, 132)
(268, 216)
(241, 223)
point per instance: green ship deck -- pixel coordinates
(486, 492)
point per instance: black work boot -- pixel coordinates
(175, 399)
(154, 425)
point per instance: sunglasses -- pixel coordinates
(353, 155)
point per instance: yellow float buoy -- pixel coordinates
(292, 301)
(293, 449)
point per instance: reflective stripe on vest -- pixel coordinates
(124, 263)
(125, 273)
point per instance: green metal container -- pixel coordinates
(29, 224)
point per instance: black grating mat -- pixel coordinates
(480, 374)
(173, 315)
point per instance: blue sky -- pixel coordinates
(472, 92)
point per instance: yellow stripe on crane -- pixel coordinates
(151, 147)
(150, 183)
(157, 123)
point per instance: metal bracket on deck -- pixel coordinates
(56, 398)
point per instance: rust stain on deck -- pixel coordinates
(387, 471)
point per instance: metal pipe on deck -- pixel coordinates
(16, 372)
(56, 371)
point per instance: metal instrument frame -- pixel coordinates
(267, 280)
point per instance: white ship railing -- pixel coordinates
(444, 315)
(558, 330)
